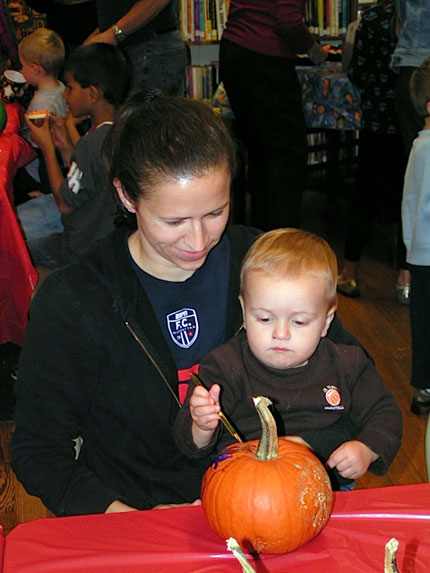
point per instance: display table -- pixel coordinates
(17, 274)
(180, 540)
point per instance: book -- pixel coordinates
(221, 16)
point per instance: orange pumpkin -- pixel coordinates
(273, 495)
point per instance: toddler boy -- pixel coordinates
(97, 80)
(318, 388)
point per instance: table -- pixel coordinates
(330, 100)
(180, 540)
(17, 273)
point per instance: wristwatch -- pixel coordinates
(119, 34)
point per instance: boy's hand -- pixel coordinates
(60, 134)
(41, 135)
(204, 408)
(352, 459)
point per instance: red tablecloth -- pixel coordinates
(180, 540)
(17, 274)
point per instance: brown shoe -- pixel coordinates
(348, 287)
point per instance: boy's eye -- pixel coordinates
(263, 319)
(300, 322)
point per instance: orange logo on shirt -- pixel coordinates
(332, 395)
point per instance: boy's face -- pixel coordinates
(285, 318)
(77, 98)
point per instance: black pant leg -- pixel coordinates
(266, 98)
(420, 326)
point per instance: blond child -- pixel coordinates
(42, 54)
(329, 395)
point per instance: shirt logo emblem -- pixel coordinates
(74, 177)
(183, 327)
(333, 398)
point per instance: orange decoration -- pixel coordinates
(273, 495)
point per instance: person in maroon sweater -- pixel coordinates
(257, 66)
(288, 301)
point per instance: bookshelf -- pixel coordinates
(332, 152)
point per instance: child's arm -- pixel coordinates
(63, 137)
(352, 459)
(43, 138)
(204, 408)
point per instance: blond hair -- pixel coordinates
(419, 87)
(287, 253)
(45, 48)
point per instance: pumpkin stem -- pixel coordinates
(390, 564)
(233, 545)
(268, 445)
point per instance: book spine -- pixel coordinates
(221, 14)
(202, 19)
(208, 26)
(344, 16)
(183, 21)
(320, 16)
(196, 8)
(327, 18)
(213, 20)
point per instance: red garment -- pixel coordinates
(17, 273)
(275, 28)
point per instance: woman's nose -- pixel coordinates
(197, 237)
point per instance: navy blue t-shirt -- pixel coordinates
(191, 313)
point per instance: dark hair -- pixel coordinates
(165, 138)
(419, 87)
(103, 66)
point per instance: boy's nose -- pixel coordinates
(281, 331)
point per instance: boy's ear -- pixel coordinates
(123, 196)
(95, 93)
(37, 69)
(242, 304)
(428, 108)
(329, 319)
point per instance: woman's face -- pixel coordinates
(179, 223)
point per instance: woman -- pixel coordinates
(113, 337)
(148, 33)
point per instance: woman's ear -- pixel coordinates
(123, 196)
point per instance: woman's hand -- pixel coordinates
(297, 440)
(119, 507)
(168, 505)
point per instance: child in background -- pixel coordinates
(42, 59)
(416, 235)
(97, 80)
(288, 298)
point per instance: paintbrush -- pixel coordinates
(222, 416)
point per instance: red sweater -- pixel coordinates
(271, 27)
